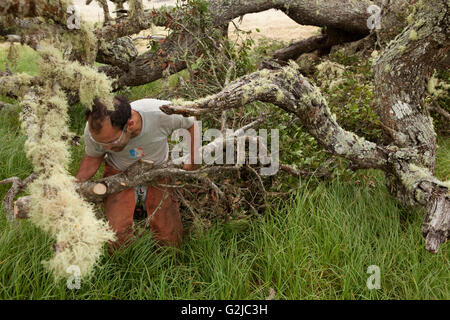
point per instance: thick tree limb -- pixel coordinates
(400, 74)
(347, 18)
(289, 90)
(346, 15)
(150, 66)
(324, 41)
(119, 53)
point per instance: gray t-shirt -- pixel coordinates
(150, 144)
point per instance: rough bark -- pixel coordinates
(345, 15)
(150, 65)
(289, 90)
(119, 53)
(400, 75)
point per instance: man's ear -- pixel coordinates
(131, 124)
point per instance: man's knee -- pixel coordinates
(164, 216)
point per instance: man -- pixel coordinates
(120, 138)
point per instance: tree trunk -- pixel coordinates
(400, 77)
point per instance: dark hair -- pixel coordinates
(119, 116)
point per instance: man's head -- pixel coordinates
(111, 128)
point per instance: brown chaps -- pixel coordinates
(163, 214)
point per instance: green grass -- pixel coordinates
(26, 61)
(316, 245)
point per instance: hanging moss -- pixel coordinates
(56, 207)
(17, 84)
(79, 44)
(88, 82)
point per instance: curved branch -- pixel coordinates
(346, 15)
(150, 65)
(289, 90)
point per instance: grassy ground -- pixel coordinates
(317, 245)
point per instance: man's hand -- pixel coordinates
(88, 167)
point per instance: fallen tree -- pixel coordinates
(408, 158)
(407, 155)
(343, 20)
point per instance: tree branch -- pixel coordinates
(17, 186)
(289, 90)
(329, 38)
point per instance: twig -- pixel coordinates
(437, 108)
(17, 186)
(261, 184)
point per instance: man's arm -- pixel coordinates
(88, 167)
(195, 146)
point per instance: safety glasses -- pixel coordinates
(109, 144)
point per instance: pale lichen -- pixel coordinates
(279, 96)
(56, 206)
(436, 87)
(331, 74)
(17, 84)
(401, 110)
(413, 35)
(88, 82)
